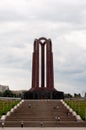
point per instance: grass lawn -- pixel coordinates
(6, 105)
(79, 106)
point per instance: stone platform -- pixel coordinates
(43, 93)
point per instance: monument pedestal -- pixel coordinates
(43, 93)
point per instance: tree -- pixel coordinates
(68, 95)
(7, 93)
(1, 94)
(77, 95)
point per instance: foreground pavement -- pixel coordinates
(43, 128)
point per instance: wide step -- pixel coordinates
(42, 113)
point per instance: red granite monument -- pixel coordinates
(42, 72)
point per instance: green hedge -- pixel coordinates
(6, 105)
(79, 106)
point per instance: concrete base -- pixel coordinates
(43, 93)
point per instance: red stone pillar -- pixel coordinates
(42, 66)
(49, 65)
(52, 72)
(35, 66)
(33, 71)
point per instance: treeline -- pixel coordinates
(76, 95)
(9, 93)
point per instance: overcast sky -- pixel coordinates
(63, 21)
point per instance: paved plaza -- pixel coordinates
(47, 128)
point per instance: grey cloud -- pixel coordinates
(63, 21)
(53, 11)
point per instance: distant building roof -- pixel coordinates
(3, 88)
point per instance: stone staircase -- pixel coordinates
(42, 113)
